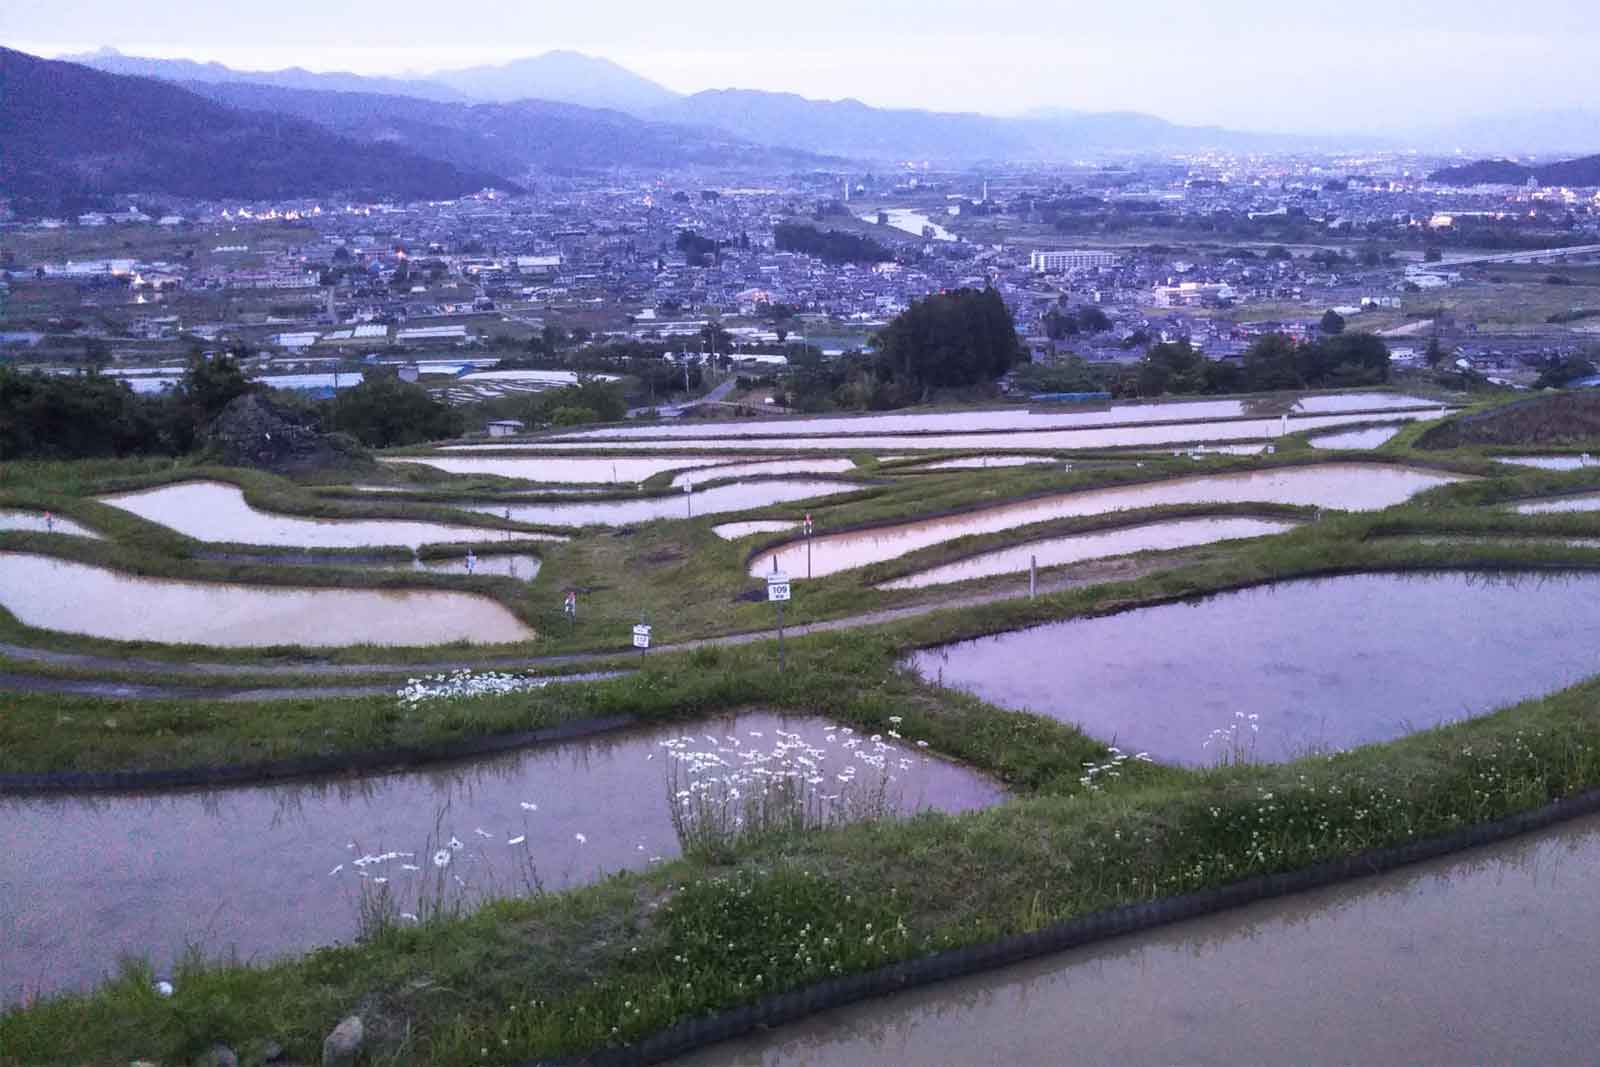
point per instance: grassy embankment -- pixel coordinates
(680, 575)
(574, 971)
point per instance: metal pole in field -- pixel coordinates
(780, 637)
(688, 498)
(1033, 576)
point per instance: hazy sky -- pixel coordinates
(1347, 65)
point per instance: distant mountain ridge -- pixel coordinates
(187, 70)
(72, 135)
(851, 128)
(836, 128)
(563, 76)
(509, 139)
(1579, 172)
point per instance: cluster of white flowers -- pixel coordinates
(465, 683)
(723, 787)
(1111, 768)
(1235, 743)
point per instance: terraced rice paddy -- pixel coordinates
(216, 511)
(40, 522)
(1346, 486)
(1351, 439)
(1168, 434)
(1279, 671)
(77, 598)
(280, 868)
(736, 496)
(607, 470)
(1155, 536)
(1491, 951)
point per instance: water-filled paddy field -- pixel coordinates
(763, 469)
(980, 463)
(80, 598)
(735, 496)
(1016, 418)
(1371, 437)
(1575, 502)
(274, 869)
(1482, 957)
(1245, 429)
(1549, 463)
(732, 531)
(215, 511)
(1346, 486)
(570, 469)
(40, 522)
(1291, 668)
(1073, 548)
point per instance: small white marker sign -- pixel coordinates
(641, 636)
(777, 586)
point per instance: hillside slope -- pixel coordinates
(72, 135)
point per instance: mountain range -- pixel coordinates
(72, 136)
(843, 128)
(1579, 172)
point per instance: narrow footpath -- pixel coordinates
(1090, 573)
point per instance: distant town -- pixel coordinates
(1211, 250)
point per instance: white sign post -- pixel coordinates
(778, 593)
(641, 638)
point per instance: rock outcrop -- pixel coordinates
(254, 432)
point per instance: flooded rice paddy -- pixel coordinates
(1012, 418)
(1368, 438)
(732, 531)
(275, 869)
(1549, 463)
(77, 598)
(1247, 429)
(1486, 956)
(763, 469)
(981, 463)
(216, 511)
(42, 522)
(1155, 536)
(1347, 486)
(609, 470)
(737, 496)
(1576, 502)
(1292, 668)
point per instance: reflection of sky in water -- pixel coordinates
(1246, 429)
(1333, 662)
(676, 505)
(63, 595)
(213, 511)
(1017, 418)
(1347, 486)
(1178, 533)
(88, 878)
(1484, 957)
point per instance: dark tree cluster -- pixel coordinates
(949, 340)
(47, 416)
(830, 246)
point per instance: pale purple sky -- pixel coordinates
(1355, 64)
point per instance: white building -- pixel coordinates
(1072, 259)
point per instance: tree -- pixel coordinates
(951, 339)
(1435, 354)
(1432, 255)
(1269, 363)
(383, 412)
(1332, 322)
